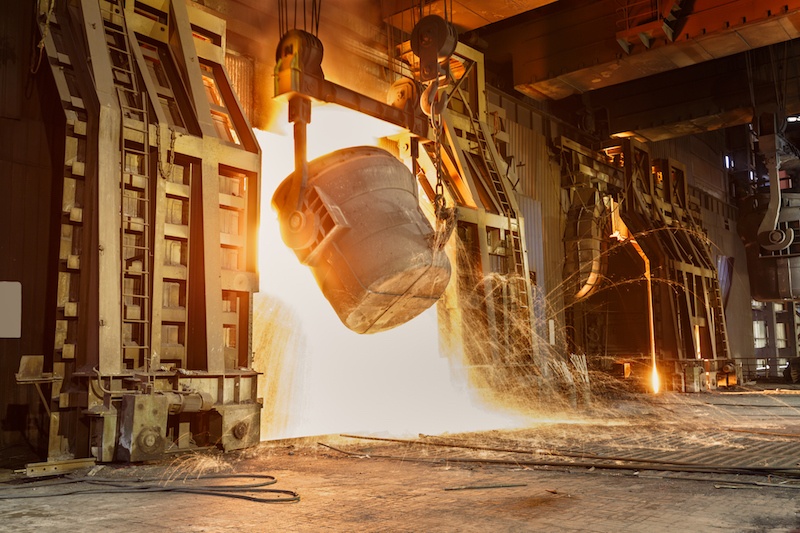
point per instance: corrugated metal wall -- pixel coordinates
(721, 227)
(540, 194)
(703, 156)
(242, 71)
(531, 211)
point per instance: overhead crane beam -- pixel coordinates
(576, 47)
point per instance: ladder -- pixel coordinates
(513, 235)
(487, 159)
(135, 190)
(718, 313)
(711, 286)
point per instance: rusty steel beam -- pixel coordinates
(577, 47)
(707, 97)
(466, 14)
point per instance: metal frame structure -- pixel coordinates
(157, 252)
(645, 202)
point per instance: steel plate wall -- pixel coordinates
(26, 216)
(702, 155)
(242, 73)
(539, 189)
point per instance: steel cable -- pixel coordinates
(147, 485)
(710, 469)
(596, 461)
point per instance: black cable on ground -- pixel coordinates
(247, 491)
(633, 463)
(566, 467)
(579, 455)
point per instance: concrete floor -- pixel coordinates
(364, 485)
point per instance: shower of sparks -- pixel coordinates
(322, 377)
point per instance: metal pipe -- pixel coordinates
(300, 116)
(191, 402)
(439, 444)
(651, 316)
(300, 161)
(640, 465)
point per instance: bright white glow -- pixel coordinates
(654, 380)
(332, 127)
(330, 379)
(698, 350)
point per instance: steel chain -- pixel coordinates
(439, 201)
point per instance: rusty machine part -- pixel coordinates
(143, 419)
(403, 94)
(584, 264)
(301, 51)
(368, 243)
(773, 272)
(433, 40)
(769, 218)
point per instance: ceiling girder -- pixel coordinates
(576, 47)
(705, 97)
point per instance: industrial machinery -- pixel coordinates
(361, 229)
(637, 254)
(765, 170)
(155, 248)
(353, 216)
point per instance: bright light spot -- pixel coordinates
(322, 377)
(655, 381)
(697, 342)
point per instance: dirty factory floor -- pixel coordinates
(721, 461)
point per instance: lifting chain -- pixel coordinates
(445, 216)
(433, 41)
(439, 201)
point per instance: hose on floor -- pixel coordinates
(253, 491)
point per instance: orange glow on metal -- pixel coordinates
(697, 346)
(328, 379)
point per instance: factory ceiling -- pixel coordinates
(651, 68)
(466, 14)
(583, 45)
(655, 68)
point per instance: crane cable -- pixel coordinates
(312, 25)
